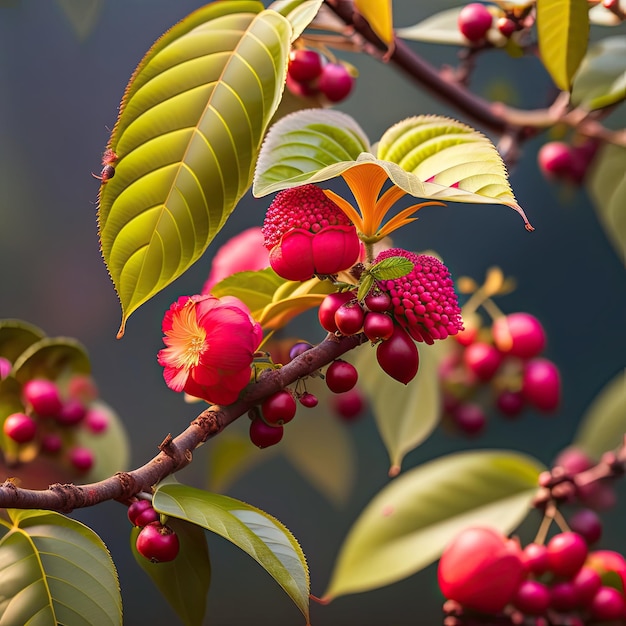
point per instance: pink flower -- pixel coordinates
(210, 346)
(244, 252)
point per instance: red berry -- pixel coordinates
(158, 543)
(5, 367)
(304, 65)
(335, 82)
(536, 558)
(263, 435)
(308, 400)
(563, 596)
(532, 597)
(341, 376)
(378, 301)
(43, 396)
(51, 443)
(467, 336)
(97, 421)
(147, 517)
(329, 306)
(519, 334)
(607, 604)
(566, 554)
(20, 427)
(481, 569)
(469, 418)
(506, 26)
(398, 356)
(555, 159)
(377, 326)
(573, 461)
(510, 403)
(483, 360)
(349, 405)
(136, 508)
(349, 318)
(541, 384)
(81, 459)
(72, 412)
(587, 524)
(279, 408)
(586, 584)
(474, 21)
(302, 89)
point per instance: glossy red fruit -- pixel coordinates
(263, 435)
(482, 359)
(304, 65)
(566, 554)
(555, 160)
(335, 82)
(474, 21)
(481, 569)
(506, 26)
(158, 543)
(611, 566)
(541, 384)
(519, 334)
(532, 598)
(329, 306)
(341, 376)
(81, 459)
(608, 604)
(308, 400)
(377, 326)
(72, 412)
(97, 421)
(349, 406)
(136, 508)
(20, 427)
(349, 318)
(378, 301)
(563, 596)
(586, 584)
(535, 557)
(587, 524)
(279, 408)
(398, 356)
(43, 396)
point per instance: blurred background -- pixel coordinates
(64, 65)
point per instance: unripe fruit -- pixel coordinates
(607, 604)
(43, 396)
(308, 400)
(329, 306)
(519, 334)
(532, 598)
(335, 82)
(262, 435)
(304, 65)
(541, 384)
(566, 554)
(157, 543)
(20, 427)
(378, 301)
(279, 408)
(136, 508)
(341, 376)
(474, 21)
(481, 569)
(483, 360)
(377, 326)
(81, 459)
(349, 318)
(398, 356)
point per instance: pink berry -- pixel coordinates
(329, 306)
(97, 421)
(147, 516)
(377, 326)
(308, 400)
(586, 584)
(304, 65)
(483, 360)
(519, 334)
(608, 604)
(81, 459)
(541, 384)
(566, 554)
(474, 21)
(302, 89)
(398, 356)
(5, 367)
(279, 408)
(263, 435)
(536, 558)
(555, 159)
(587, 524)
(335, 82)
(158, 543)
(532, 597)
(563, 596)
(51, 443)
(510, 403)
(341, 376)
(72, 412)
(573, 460)
(348, 405)
(469, 418)
(20, 427)
(43, 396)
(137, 507)
(349, 318)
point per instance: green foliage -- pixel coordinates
(407, 524)
(185, 581)
(16, 336)
(390, 268)
(55, 570)
(258, 534)
(441, 28)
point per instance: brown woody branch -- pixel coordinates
(176, 452)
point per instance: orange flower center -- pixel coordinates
(186, 339)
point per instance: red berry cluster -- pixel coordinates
(561, 161)
(156, 542)
(310, 75)
(51, 415)
(475, 20)
(561, 582)
(505, 361)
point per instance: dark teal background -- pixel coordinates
(58, 99)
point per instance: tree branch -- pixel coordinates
(176, 452)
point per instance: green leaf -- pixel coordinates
(367, 282)
(405, 415)
(603, 425)
(258, 534)
(16, 336)
(254, 288)
(601, 77)
(606, 184)
(186, 140)
(51, 357)
(111, 448)
(442, 28)
(409, 523)
(563, 33)
(55, 570)
(298, 148)
(300, 13)
(391, 267)
(185, 581)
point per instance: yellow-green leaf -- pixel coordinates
(408, 524)
(186, 140)
(442, 27)
(563, 33)
(379, 16)
(16, 336)
(300, 13)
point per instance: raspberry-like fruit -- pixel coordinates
(158, 543)
(474, 21)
